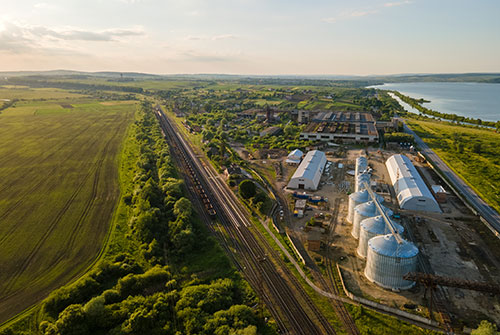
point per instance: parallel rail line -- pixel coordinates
(291, 314)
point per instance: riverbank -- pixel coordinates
(465, 99)
(407, 107)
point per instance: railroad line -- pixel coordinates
(338, 306)
(288, 309)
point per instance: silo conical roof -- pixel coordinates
(387, 245)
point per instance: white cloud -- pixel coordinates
(44, 5)
(346, 15)
(210, 57)
(223, 37)
(355, 13)
(210, 38)
(16, 38)
(399, 3)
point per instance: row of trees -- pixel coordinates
(145, 289)
(398, 137)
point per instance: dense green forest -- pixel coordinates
(162, 273)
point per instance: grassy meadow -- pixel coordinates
(58, 189)
(472, 153)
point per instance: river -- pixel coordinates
(474, 100)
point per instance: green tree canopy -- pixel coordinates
(247, 189)
(486, 328)
(183, 207)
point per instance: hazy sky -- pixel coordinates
(251, 36)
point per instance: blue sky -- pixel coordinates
(252, 36)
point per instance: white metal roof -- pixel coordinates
(407, 182)
(312, 164)
(438, 189)
(387, 245)
(295, 153)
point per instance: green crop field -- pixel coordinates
(472, 153)
(23, 92)
(58, 190)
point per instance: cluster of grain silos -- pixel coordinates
(365, 211)
(388, 256)
(372, 227)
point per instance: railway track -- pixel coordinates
(293, 313)
(330, 285)
(338, 306)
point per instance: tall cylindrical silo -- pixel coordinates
(360, 180)
(360, 166)
(359, 198)
(387, 262)
(372, 227)
(365, 211)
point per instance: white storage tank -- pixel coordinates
(387, 262)
(372, 227)
(359, 198)
(365, 211)
(360, 166)
(360, 180)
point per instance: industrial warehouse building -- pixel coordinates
(309, 172)
(411, 191)
(346, 127)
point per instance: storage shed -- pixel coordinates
(308, 173)
(294, 157)
(410, 188)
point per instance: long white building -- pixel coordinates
(411, 191)
(309, 172)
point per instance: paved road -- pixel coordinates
(482, 208)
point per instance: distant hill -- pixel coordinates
(445, 77)
(354, 80)
(70, 73)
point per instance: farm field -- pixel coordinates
(472, 153)
(58, 191)
(23, 92)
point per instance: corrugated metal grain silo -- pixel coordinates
(372, 227)
(388, 261)
(360, 180)
(356, 199)
(365, 211)
(360, 166)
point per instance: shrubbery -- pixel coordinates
(139, 292)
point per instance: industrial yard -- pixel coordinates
(450, 240)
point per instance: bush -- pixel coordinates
(247, 189)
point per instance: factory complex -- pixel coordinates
(386, 218)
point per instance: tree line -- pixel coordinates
(145, 288)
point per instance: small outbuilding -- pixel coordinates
(294, 157)
(440, 193)
(271, 131)
(314, 237)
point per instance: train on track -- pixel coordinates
(207, 203)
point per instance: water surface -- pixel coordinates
(474, 100)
